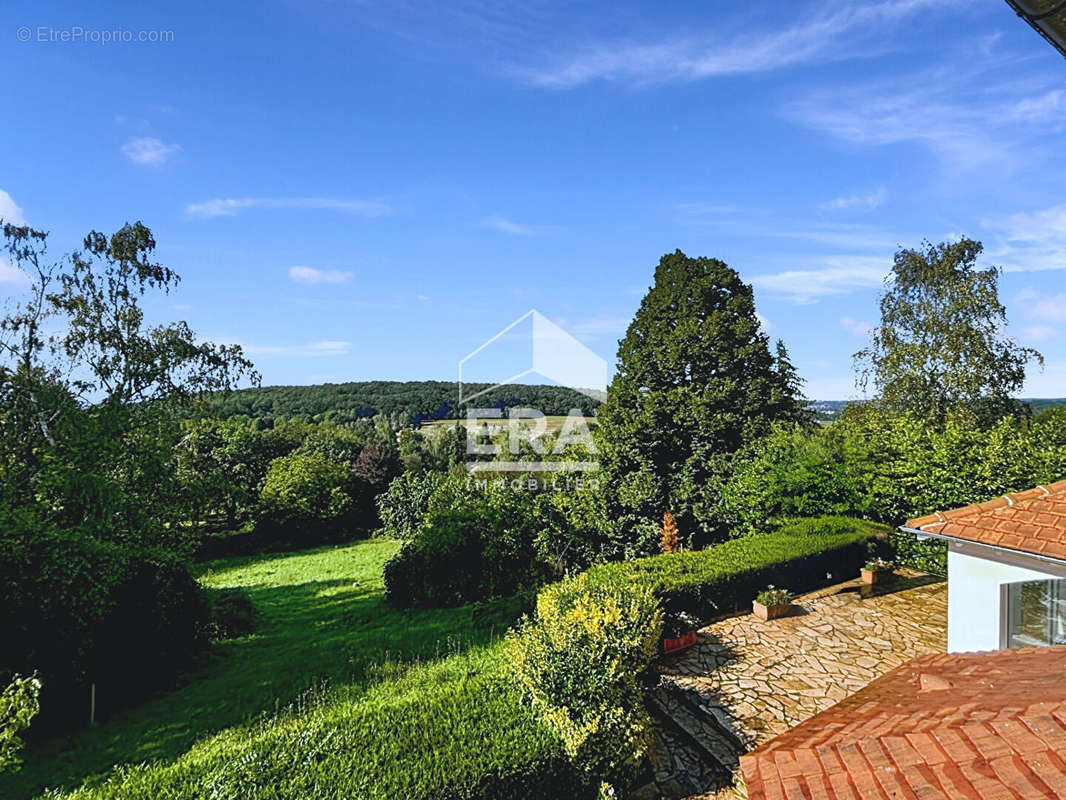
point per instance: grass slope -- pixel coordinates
(322, 617)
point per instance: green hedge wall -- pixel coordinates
(798, 556)
(930, 555)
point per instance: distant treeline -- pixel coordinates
(827, 410)
(413, 401)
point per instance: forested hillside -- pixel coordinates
(415, 401)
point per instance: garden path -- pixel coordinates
(746, 680)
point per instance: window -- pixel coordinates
(1035, 613)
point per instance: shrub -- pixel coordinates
(460, 556)
(403, 506)
(232, 613)
(485, 546)
(580, 659)
(77, 610)
(576, 529)
(306, 486)
(889, 468)
(724, 578)
(19, 704)
(930, 555)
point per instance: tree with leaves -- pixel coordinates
(90, 395)
(695, 381)
(941, 346)
(19, 704)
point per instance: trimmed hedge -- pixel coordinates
(725, 578)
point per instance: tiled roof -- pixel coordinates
(946, 726)
(1033, 521)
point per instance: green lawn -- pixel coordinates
(322, 618)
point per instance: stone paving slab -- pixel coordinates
(762, 678)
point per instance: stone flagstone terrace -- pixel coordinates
(746, 680)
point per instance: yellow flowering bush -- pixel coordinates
(581, 660)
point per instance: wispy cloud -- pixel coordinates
(866, 202)
(508, 226)
(149, 151)
(856, 326)
(9, 211)
(1029, 241)
(969, 116)
(230, 206)
(1041, 306)
(1039, 333)
(325, 348)
(833, 35)
(840, 275)
(595, 327)
(860, 237)
(312, 275)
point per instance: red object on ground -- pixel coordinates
(680, 643)
(970, 725)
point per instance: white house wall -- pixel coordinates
(976, 576)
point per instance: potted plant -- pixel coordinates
(772, 603)
(877, 570)
(679, 632)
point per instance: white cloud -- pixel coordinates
(1030, 241)
(856, 326)
(1051, 309)
(1042, 307)
(9, 212)
(1039, 333)
(767, 326)
(868, 201)
(149, 151)
(10, 275)
(841, 275)
(508, 226)
(324, 348)
(230, 206)
(312, 275)
(596, 327)
(969, 116)
(841, 33)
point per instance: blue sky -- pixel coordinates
(359, 190)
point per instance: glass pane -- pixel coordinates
(1036, 613)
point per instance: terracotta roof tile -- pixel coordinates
(979, 734)
(1033, 521)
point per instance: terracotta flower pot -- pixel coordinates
(871, 576)
(682, 642)
(770, 612)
